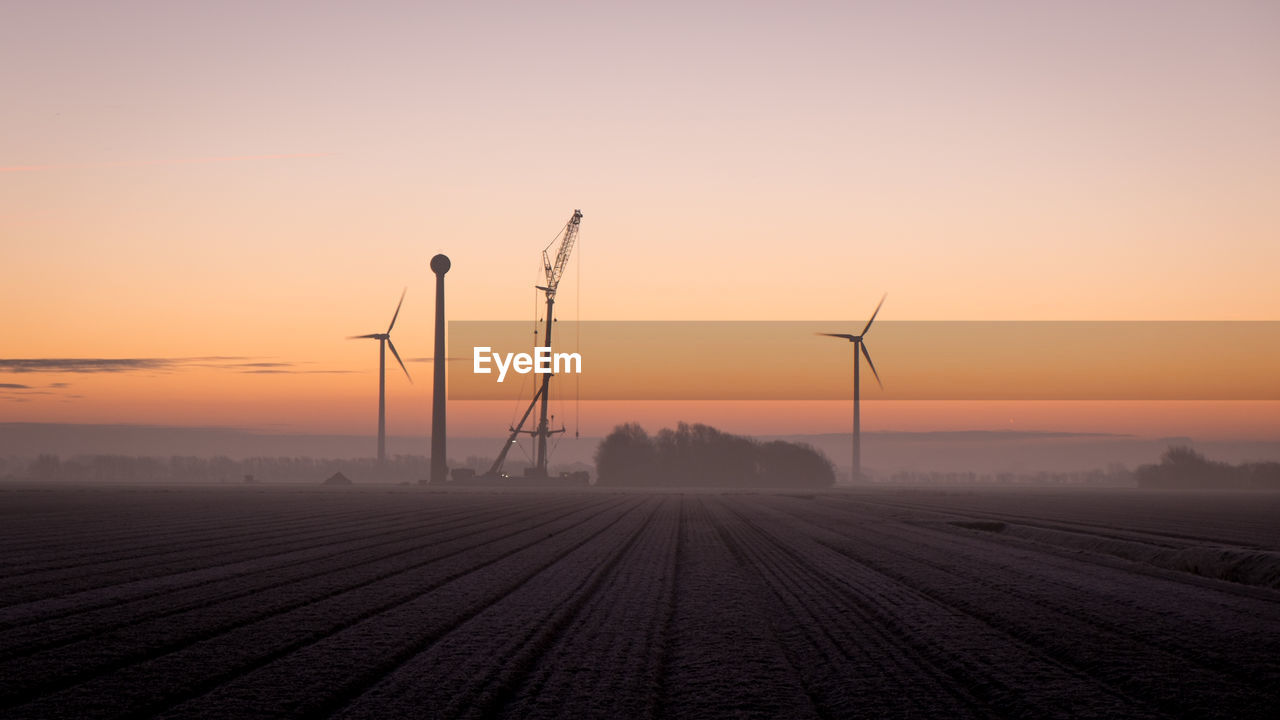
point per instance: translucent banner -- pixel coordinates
(915, 360)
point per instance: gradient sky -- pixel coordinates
(258, 180)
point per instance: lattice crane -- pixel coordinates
(554, 271)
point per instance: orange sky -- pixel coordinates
(259, 182)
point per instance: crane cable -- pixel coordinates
(516, 405)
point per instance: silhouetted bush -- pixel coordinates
(693, 455)
(1182, 467)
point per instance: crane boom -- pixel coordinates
(556, 270)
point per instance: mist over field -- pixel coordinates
(984, 452)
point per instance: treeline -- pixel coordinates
(1115, 475)
(127, 469)
(1184, 468)
(700, 455)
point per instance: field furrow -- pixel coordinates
(605, 661)
(181, 558)
(106, 529)
(724, 658)
(118, 610)
(464, 634)
(1084, 616)
(246, 631)
(865, 669)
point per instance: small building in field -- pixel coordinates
(338, 479)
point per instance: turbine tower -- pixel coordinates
(384, 341)
(859, 345)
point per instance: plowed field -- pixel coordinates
(399, 602)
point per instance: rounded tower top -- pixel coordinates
(440, 264)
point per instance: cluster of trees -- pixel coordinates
(127, 469)
(700, 455)
(1182, 467)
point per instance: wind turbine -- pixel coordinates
(859, 345)
(384, 340)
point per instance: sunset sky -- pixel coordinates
(222, 192)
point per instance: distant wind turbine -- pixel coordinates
(859, 345)
(384, 340)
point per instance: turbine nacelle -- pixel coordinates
(386, 336)
(860, 344)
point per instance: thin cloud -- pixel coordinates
(148, 163)
(106, 365)
(236, 364)
(279, 371)
(224, 363)
(18, 392)
(278, 368)
(22, 395)
(83, 365)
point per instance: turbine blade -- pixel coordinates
(872, 365)
(873, 315)
(362, 337)
(839, 335)
(393, 317)
(402, 367)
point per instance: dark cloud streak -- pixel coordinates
(278, 371)
(82, 365)
(244, 365)
(106, 365)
